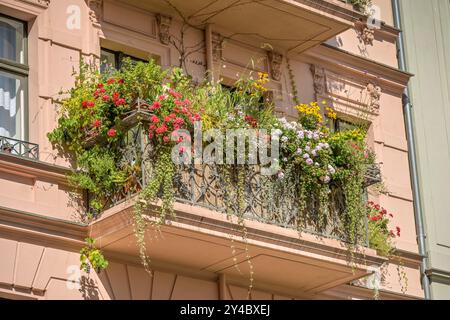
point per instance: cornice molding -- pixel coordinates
(42, 228)
(39, 3)
(388, 78)
(439, 276)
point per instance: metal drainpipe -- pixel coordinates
(421, 236)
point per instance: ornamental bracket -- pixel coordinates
(164, 23)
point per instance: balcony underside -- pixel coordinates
(284, 24)
(200, 239)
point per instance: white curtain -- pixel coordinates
(9, 86)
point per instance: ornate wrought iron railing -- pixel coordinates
(19, 148)
(204, 186)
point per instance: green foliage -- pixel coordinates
(91, 256)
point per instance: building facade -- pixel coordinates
(317, 50)
(425, 25)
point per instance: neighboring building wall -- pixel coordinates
(426, 27)
(340, 77)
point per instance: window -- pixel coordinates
(113, 59)
(13, 78)
(342, 125)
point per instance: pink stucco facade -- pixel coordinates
(41, 231)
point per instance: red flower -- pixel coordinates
(121, 81)
(120, 102)
(179, 121)
(175, 94)
(112, 133)
(383, 212)
(162, 97)
(115, 96)
(88, 104)
(178, 103)
(187, 102)
(97, 123)
(100, 85)
(155, 105)
(172, 115)
(251, 121)
(398, 231)
(105, 98)
(150, 135)
(154, 119)
(152, 127)
(167, 119)
(161, 129)
(111, 81)
(166, 139)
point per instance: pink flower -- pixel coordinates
(172, 115)
(105, 98)
(154, 119)
(179, 121)
(175, 94)
(97, 123)
(155, 105)
(187, 102)
(182, 150)
(112, 133)
(161, 129)
(162, 97)
(178, 103)
(167, 119)
(120, 102)
(398, 231)
(166, 139)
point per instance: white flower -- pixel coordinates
(331, 170)
(306, 156)
(326, 145)
(317, 164)
(307, 148)
(316, 136)
(301, 134)
(285, 159)
(326, 179)
(280, 175)
(309, 161)
(299, 151)
(310, 135)
(314, 153)
(284, 139)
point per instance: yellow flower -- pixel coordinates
(331, 113)
(312, 109)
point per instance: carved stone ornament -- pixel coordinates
(275, 60)
(374, 93)
(95, 10)
(217, 46)
(366, 35)
(319, 79)
(41, 3)
(164, 23)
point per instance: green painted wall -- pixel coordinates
(426, 26)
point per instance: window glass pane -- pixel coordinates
(12, 40)
(107, 61)
(12, 95)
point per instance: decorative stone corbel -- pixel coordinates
(366, 35)
(95, 11)
(374, 93)
(164, 23)
(275, 60)
(319, 79)
(217, 46)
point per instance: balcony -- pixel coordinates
(19, 148)
(291, 25)
(198, 237)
